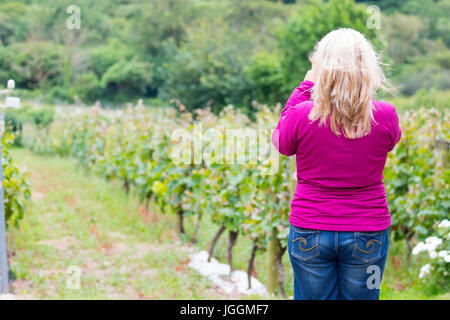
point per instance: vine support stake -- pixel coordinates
(292, 175)
(442, 147)
(272, 271)
(3, 251)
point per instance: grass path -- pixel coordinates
(76, 220)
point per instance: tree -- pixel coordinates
(10, 27)
(386, 5)
(208, 68)
(266, 79)
(306, 27)
(127, 78)
(160, 21)
(102, 57)
(36, 64)
(403, 36)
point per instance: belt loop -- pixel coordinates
(336, 241)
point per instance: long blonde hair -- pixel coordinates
(347, 74)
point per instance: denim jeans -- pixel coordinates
(332, 265)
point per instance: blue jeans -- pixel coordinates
(335, 265)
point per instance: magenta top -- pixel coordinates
(339, 180)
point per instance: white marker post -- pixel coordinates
(3, 250)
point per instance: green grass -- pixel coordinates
(125, 252)
(76, 219)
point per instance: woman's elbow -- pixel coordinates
(287, 153)
(280, 146)
(276, 139)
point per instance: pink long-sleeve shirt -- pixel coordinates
(339, 180)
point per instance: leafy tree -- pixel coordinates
(160, 21)
(403, 37)
(266, 79)
(36, 64)
(425, 72)
(87, 87)
(102, 57)
(208, 69)
(431, 12)
(386, 5)
(307, 26)
(10, 14)
(127, 78)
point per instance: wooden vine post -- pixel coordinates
(4, 284)
(292, 175)
(442, 147)
(3, 251)
(272, 271)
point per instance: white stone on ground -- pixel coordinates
(218, 273)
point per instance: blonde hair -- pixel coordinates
(348, 73)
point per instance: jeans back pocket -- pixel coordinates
(305, 243)
(367, 246)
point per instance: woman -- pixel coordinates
(339, 235)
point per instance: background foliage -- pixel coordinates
(206, 52)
